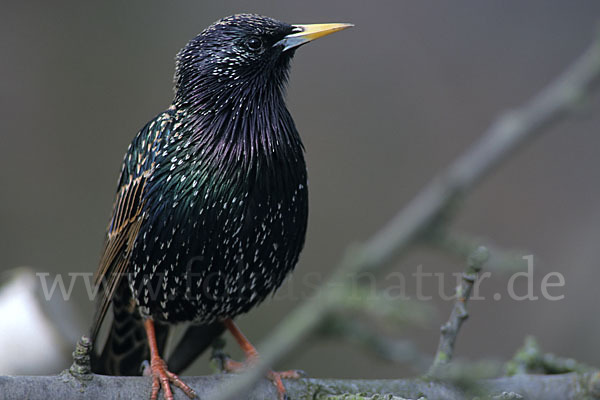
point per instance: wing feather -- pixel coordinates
(127, 216)
(126, 223)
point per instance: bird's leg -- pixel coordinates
(252, 356)
(161, 376)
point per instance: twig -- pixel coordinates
(462, 245)
(502, 139)
(459, 312)
(530, 359)
(82, 366)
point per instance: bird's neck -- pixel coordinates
(245, 123)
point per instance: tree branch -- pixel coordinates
(459, 313)
(573, 386)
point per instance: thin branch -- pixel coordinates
(530, 359)
(462, 245)
(82, 365)
(459, 312)
(502, 139)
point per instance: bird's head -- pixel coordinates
(240, 54)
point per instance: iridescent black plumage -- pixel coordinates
(211, 209)
(226, 204)
(212, 204)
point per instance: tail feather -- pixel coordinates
(127, 344)
(126, 347)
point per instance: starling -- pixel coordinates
(211, 208)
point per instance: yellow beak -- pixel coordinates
(309, 32)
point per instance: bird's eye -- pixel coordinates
(254, 43)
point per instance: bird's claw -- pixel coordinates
(230, 365)
(276, 378)
(293, 374)
(162, 378)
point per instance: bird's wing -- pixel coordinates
(123, 230)
(127, 217)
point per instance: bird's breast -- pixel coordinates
(217, 240)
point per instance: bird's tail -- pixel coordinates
(126, 347)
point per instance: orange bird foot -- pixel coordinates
(252, 356)
(161, 376)
(276, 377)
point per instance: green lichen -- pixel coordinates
(531, 359)
(364, 396)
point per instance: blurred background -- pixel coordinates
(381, 109)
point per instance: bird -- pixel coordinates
(211, 209)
